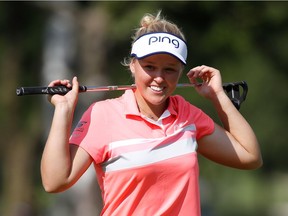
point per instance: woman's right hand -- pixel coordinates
(69, 99)
(62, 164)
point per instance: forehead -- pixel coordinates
(161, 58)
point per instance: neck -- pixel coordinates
(152, 111)
(149, 113)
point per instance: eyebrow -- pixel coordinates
(155, 62)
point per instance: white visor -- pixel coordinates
(157, 43)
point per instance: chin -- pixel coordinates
(158, 102)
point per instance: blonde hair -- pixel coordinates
(149, 24)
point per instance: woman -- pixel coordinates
(144, 144)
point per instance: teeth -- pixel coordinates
(157, 88)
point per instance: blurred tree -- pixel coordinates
(75, 42)
(20, 41)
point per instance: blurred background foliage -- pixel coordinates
(244, 40)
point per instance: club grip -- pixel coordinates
(61, 90)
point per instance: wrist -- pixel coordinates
(220, 99)
(217, 95)
(64, 111)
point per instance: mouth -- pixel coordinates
(157, 89)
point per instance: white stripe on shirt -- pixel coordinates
(152, 154)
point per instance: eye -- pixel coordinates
(170, 70)
(149, 67)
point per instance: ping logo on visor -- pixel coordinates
(157, 43)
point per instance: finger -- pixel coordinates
(75, 84)
(195, 69)
(205, 76)
(54, 83)
(64, 82)
(193, 73)
(191, 76)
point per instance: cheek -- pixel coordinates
(141, 78)
(179, 75)
(175, 78)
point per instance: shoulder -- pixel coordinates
(193, 115)
(182, 105)
(106, 104)
(107, 109)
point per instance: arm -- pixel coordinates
(62, 164)
(234, 144)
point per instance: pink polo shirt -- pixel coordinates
(144, 167)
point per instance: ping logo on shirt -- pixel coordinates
(80, 125)
(159, 39)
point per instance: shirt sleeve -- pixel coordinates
(188, 112)
(80, 131)
(89, 133)
(204, 124)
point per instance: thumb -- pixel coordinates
(75, 84)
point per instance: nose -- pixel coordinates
(159, 76)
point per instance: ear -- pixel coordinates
(132, 67)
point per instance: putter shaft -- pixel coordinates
(62, 90)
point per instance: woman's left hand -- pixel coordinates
(211, 80)
(234, 144)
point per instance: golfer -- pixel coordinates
(144, 144)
